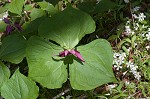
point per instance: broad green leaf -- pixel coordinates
(4, 74)
(36, 13)
(44, 5)
(43, 68)
(16, 6)
(19, 87)
(97, 68)
(54, 2)
(32, 27)
(48, 7)
(105, 5)
(67, 27)
(2, 26)
(3, 9)
(28, 7)
(13, 48)
(87, 5)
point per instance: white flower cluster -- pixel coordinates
(118, 60)
(133, 70)
(136, 26)
(140, 16)
(148, 35)
(3, 15)
(128, 30)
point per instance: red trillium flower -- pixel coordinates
(71, 52)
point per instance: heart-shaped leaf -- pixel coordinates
(31, 28)
(37, 13)
(87, 6)
(67, 27)
(13, 48)
(43, 68)
(4, 74)
(105, 5)
(97, 68)
(19, 87)
(54, 2)
(3, 26)
(48, 7)
(16, 6)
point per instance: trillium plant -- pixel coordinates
(89, 65)
(54, 56)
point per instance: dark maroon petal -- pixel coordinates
(78, 55)
(9, 29)
(64, 53)
(6, 20)
(18, 26)
(72, 52)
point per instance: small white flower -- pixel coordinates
(96, 0)
(129, 49)
(136, 26)
(126, 1)
(132, 32)
(127, 82)
(137, 75)
(128, 30)
(136, 9)
(62, 93)
(128, 64)
(123, 54)
(143, 35)
(116, 55)
(107, 94)
(148, 36)
(68, 97)
(118, 60)
(135, 44)
(128, 22)
(147, 47)
(134, 16)
(4, 15)
(141, 17)
(111, 86)
(148, 29)
(133, 70)
(124, 73)
(118, 67)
